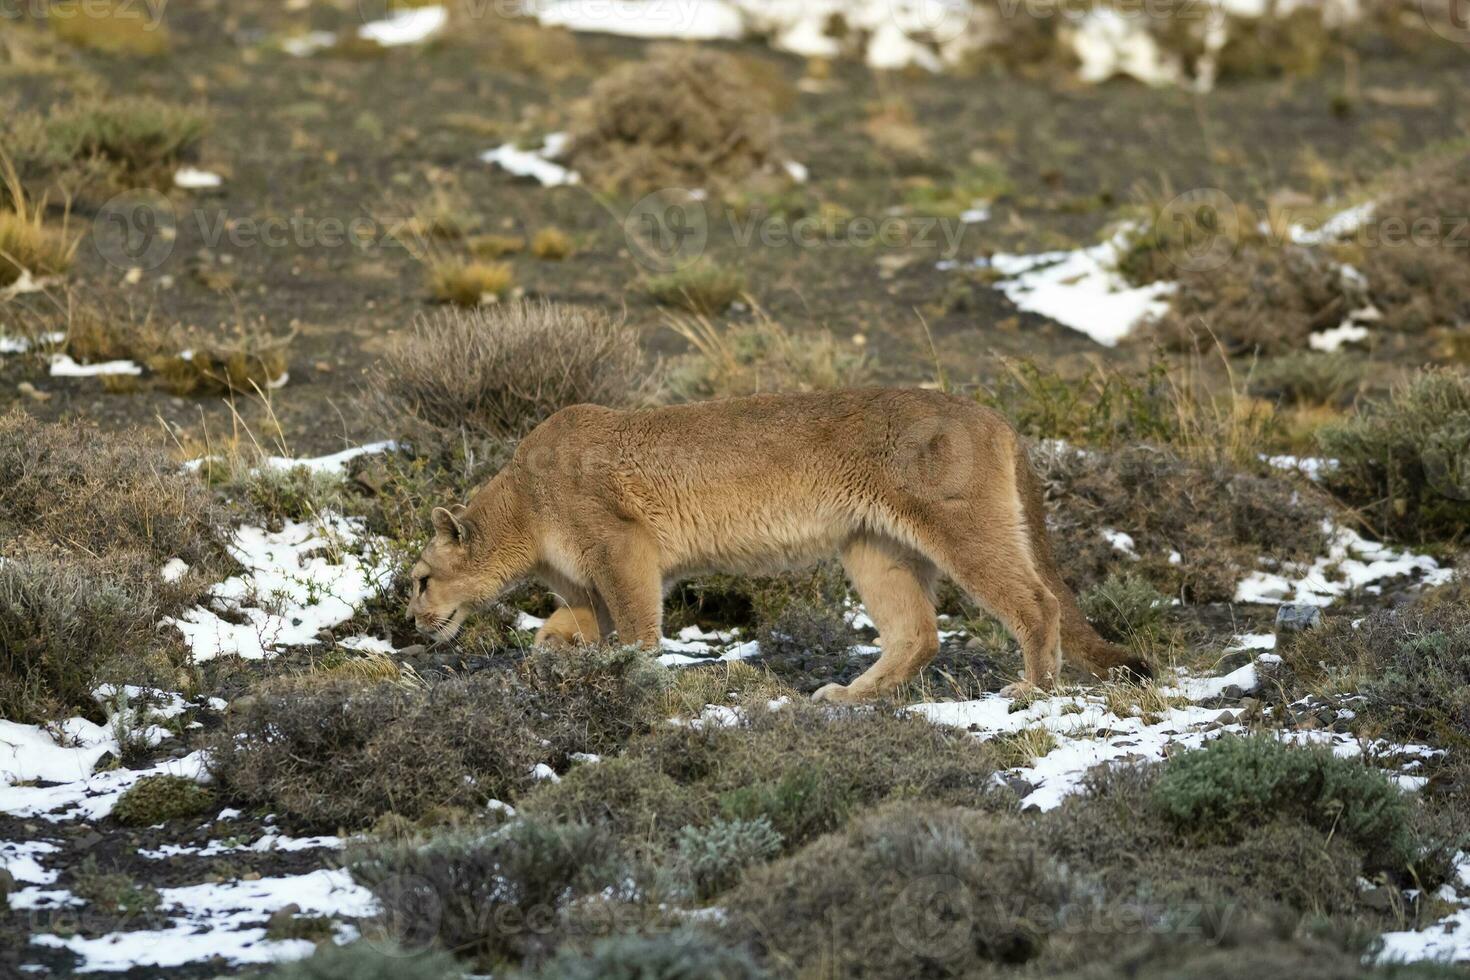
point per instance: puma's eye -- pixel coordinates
(424, 584)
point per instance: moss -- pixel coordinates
(158, 799)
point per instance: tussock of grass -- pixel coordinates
(142, 136)
(703, 287)
(492, 246)
(468, 283)
(112, 27)
(551, 244)
(498, 372)
(1404, 460)
(28, 242)
(1021, 748)
(760, 356)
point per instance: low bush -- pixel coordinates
(497, 372)
(760, 356)
(907, 890)
(807, 770)
(713, 857)
(684, 117)
(1404, 460)
(112, 892)
(73, 485)
(680, 955)
(158, 799)
(1219, 520)
(1233, 786)
(629, 795)
(374, 959)
(500, 896)
(328, 750)
(1310, 378)
(1125, 607)
(70, 623)
(801, 630)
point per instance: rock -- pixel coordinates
(1379, 899)
(7, 885)
(281, 919)
(1017, 785)
(412, 650)
(1225, 718)
(1232, 692)
(1293, 618)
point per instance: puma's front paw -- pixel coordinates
(1021, 690)
(834, 693)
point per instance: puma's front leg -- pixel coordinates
(628, 579)
(570, 626)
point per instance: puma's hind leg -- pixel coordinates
(897, 588)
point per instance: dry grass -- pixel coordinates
(760, 356)
(112, 27)
(551, 244)
(142, 137)
(493, 246)
(28, 243)
(1021, 748)
(468, 282)
(498, 371)
(703, 287)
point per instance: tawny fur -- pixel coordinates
(611, 508)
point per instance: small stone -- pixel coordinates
(1309, 723)
(281, 918)
(1225, 718)
(1293, 618)
(1378, 899)
(1232, 692)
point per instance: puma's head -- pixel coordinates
(446, 585)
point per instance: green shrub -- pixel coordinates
(1125, 607)
(680, 955)
(1233, 786)
(111, 891)
(1405, 460)
(713, 857)
(1107, 408)
(907, 890)
(498, 896)
(370, 960)
(157, 799)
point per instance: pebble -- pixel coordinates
(1293, 618)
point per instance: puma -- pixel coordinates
(609, 508)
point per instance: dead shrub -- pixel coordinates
(1219, 520)
(684, 117)
(1421, 281)
(89, 491)
(900, 893)
(496, 373)
(327, 753)
(1267, 299)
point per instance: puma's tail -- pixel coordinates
(1080, 642)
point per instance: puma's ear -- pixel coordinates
(447, 523)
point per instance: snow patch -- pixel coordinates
(1352, 562)
(413, 26)
(539, 164)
